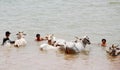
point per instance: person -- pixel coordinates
(7, 34)
(38, 38)
(103, 43)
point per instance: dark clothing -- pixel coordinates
(7, 39)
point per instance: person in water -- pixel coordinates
(38, 38)
(7, 35)
(103, 43)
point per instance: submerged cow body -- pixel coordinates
(69, 47)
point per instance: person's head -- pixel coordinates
(37, 35)
(7, 33)
(104, 41)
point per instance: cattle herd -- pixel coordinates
(69, 47)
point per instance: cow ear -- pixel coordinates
(75, 41)
(17, 34)
(112, 45)
(86, 37)
(24, 34)
(80, 39)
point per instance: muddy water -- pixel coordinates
(31, 58)
(65, 19)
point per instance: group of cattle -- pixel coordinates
(69, 47)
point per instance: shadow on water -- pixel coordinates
(61, 53)
(82, 55)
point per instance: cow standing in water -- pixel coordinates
(77, 46)
(20, 40)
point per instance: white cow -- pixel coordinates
(53, 43)
(48, 47)
(77, 46)
(20, 40)
(52, 40)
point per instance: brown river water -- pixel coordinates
(65, 19)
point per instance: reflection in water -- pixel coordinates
(114, 62)
(70, 57)
(22, 58)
